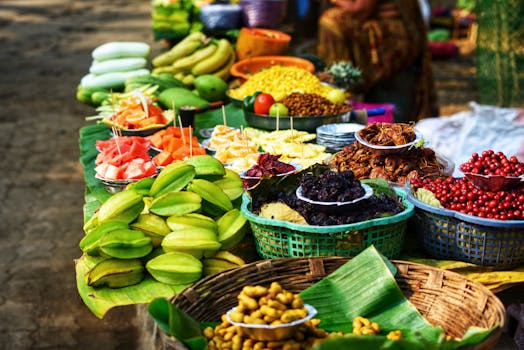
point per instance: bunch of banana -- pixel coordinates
(194, 56)
(170, 224)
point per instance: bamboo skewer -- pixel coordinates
(224, 119)
(181, 129)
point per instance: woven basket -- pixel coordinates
(447, 234)
(443, 297)
(282, 239)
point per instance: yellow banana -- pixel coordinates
(224, 72)
(184, 48)
(215, 61)
(185, 64)
(188, 80)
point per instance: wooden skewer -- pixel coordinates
(278, 120)
(190, 141)
(181, 129)
(224, 119)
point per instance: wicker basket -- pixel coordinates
(282, 239)
(447, 234)
(443, 297)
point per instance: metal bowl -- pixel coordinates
(299, 123)
(263, 332)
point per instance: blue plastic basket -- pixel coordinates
(278, 239)
(448, 234)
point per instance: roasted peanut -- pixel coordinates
(209, 332)
(394, 335)
(236, 316)
(275, 288)
(254, 291)
(297, 302)
(248, 302)
(293, 315)
(276, 305)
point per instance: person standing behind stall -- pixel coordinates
(382, 38)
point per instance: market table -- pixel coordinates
(96, 193)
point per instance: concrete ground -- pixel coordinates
(45, 50)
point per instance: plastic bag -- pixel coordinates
(484, 127)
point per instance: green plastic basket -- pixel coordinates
(278, 239)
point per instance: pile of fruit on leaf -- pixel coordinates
(282, 191)
(196, 55)
(176, 227)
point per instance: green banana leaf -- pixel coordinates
(101, 300)
(176, 323)
(364, 286)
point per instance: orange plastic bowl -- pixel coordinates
(253, 42)
(249, 66)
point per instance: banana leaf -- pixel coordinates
(101, 300)
(365, 286)
(176, 323)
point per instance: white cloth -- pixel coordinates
(458, 136)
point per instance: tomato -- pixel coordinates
(262, 103)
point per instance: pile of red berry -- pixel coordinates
(491, 163)
(461, 195)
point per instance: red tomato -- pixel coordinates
(262, 103)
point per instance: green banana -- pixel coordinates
(176, 203)
(206, 165)
(175, 268)
(232, 227)
(185, 64)
(89, 244)
(224, 72)
(116, 273)
(122, 206)
(125, 244)
(183, 48)
(142, 186)
(232, 188)
(153, 226)
(172, 178)
(215, 61)
(195, 241)
(211, 193)
(182, 222)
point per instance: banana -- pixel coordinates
(195, 241)
(175, 268)
(182, 222)
(232, 188)
(188, 80)
(206, 165)
(224, 72)
(162, 70)
(215, 61)
(232, 227)
(185, 64)
(210, 193)
(122, 206)
(125, 244)
(89, 244)
(116, 273)
(176, 203)
(153, 226)
(183, 48)
(172, 178)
